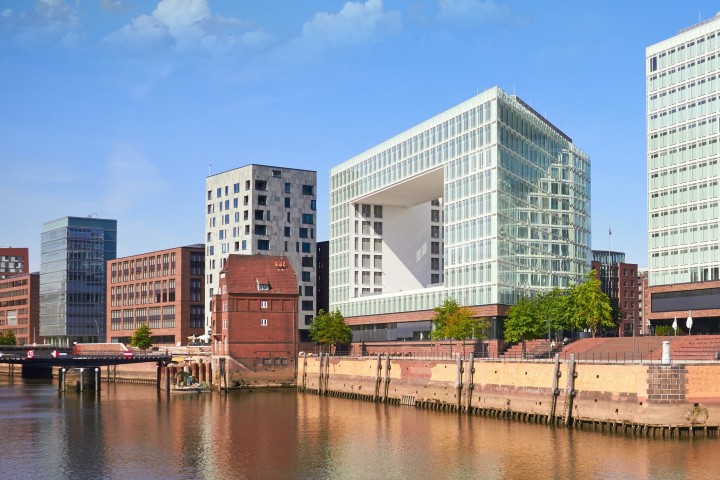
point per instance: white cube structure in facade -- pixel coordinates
(484, 203)
(258, 209)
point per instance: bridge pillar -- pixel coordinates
(81, 379)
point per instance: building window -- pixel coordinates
(303, 233)
(305, 276)
(287, 231)
(378, 211)
(287, 202)
(261, 185)
(306, 247)
(308, 190)
(307, 262)
(263, 286)
(263, 244)
(309, 291)
(236, 188)
(262, 200)
(287, 187)
(435, 231)
(263, 303)
(259, 215)
(276, 173)
(307, 218)
(209, 195)
(263, 322)
(260, 229)
(378, 228)
(307, 305)
(434, 215)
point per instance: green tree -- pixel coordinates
(8, 338)
(457, 323)
(552, 308)
(588, 306)
(329, 329)
(524, 322)
(142, 338)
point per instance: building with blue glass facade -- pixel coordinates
(484, 203)
(74, 252)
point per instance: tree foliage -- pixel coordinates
(524, 322)
(142, 338)
(329, 328)
(581, 307)
(589, 307)
(8, 338)
(457, 323)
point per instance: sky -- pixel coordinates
(120, 108)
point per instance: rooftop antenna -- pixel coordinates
(91, 215)
(209, 167)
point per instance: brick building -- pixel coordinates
(20, 307)
(255, 317)
(163, 289)
(13, 261)
(619, 281)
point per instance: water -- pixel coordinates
(132, 432)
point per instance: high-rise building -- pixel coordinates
(258, 209)
(13, 261)
(74, 252)
(484, 203)
(619, 281)
(163, 290)
(683, 103)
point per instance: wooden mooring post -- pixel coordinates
(569, 392)
(555, 389)
(471, 382)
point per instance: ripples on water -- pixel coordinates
(132, 432)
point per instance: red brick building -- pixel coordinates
(20, 307)
(255, 317)
(619, 281)
(13, 261)
(163, 289)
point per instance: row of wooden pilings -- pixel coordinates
(167, 376)
(558, 415)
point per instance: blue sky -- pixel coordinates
(116, 108)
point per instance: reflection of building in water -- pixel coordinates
(485, 203)
(255, 318)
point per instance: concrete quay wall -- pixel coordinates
(647, 399)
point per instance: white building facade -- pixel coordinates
(682, 164)
(683, 103)
(258, 209)
(484, 203)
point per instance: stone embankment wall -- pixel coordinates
(640, 398)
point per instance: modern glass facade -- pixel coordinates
(74, 252)
(682, 141)
(484, 203)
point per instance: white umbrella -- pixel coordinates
(688, 323)
(675, 325)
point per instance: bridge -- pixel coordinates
(37, 361)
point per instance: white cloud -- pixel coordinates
(356, 23)
(49, 21)
(473, 11)
(131, 179)
(188, 26)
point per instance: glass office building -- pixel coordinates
(682, 129)
(485, 203)
(682, 82)
(74, 252)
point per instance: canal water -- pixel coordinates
(132, 432)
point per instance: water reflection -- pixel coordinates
(130, 432)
